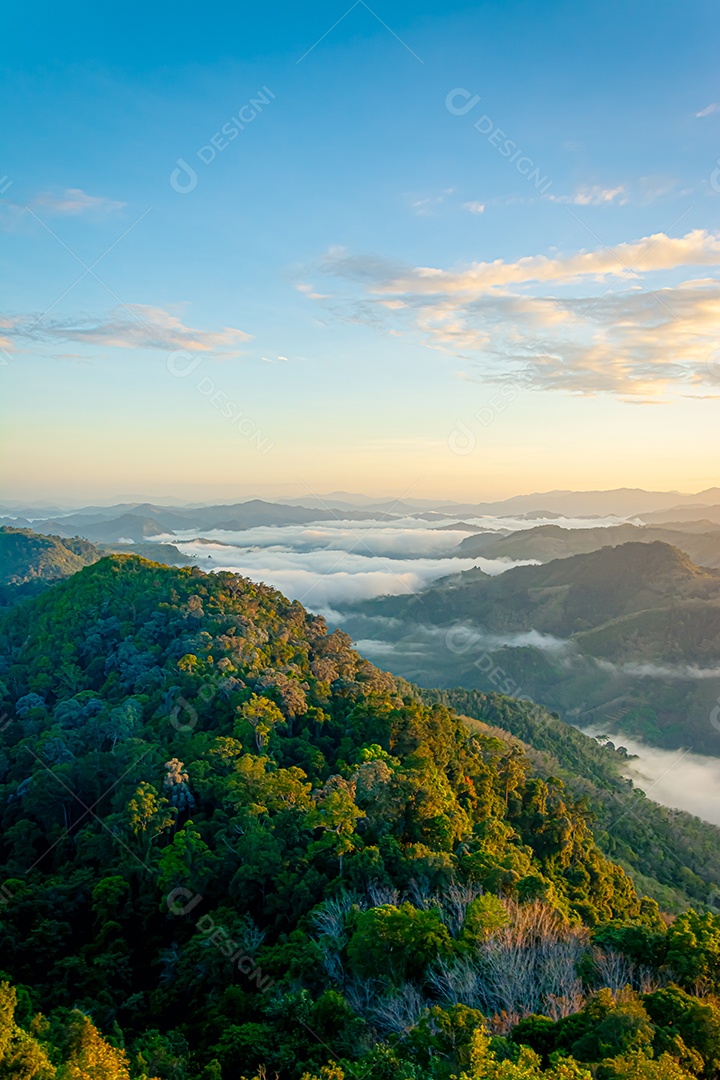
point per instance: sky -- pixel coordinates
(461, 251)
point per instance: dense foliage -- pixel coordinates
(672, 855)
(232, 847)
(29, 562)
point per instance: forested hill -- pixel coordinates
(672, 855)
(29, 562)
(232, 847)
(631, 639)
(565, 596)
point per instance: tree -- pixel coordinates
(147, 815)
(639, 1066)
(188, 861)
(21, 1056)
(401, 941)
(693, 949)
(262, 715)
(337, 813)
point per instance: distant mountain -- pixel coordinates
(627, 637)
(694, 513)
(28, 562)
(620, 502)
(167, 554)
(146, 519)
(546, 542)
(127, 527)
(565, 595)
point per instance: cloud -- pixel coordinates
(328, 564)
(474, 207)
(555, 322)
(708, 110)
(676, 778)
(131, 326)
(424, 206)
(651, 253)
(403, 539)
(75, 201)
(465, 638)
(682, 672)
(592, 196)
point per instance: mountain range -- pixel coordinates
(623, 503)
(700, 540)
(626, 637)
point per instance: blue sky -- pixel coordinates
(455, 250)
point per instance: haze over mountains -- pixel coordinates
(621, 502)
(618, 625)
(625, 638)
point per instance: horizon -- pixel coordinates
(443, 252)
(351, 498)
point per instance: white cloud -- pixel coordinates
(690, 782)
(655, 252)
(681, 672)
(132, 326)
(74, 201)
(708, 110)
(556, 322)
(474, 207)
(329, 563)
(425, 205)
(592, 196)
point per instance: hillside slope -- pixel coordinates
(669, 853)
(564, 596)
(195, 771)
(547, 542)
(625, 637)
(29, 562)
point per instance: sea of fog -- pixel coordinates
(327, 564)
(674, 778)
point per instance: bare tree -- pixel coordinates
(455, 901)
(528, 966)
(329, 920)
(382, 894)
(251, 936)
(362, 995)
(329, 917)
(420, 895)
(398, 1013)
(614, 969)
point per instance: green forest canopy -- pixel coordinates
(230, 844)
